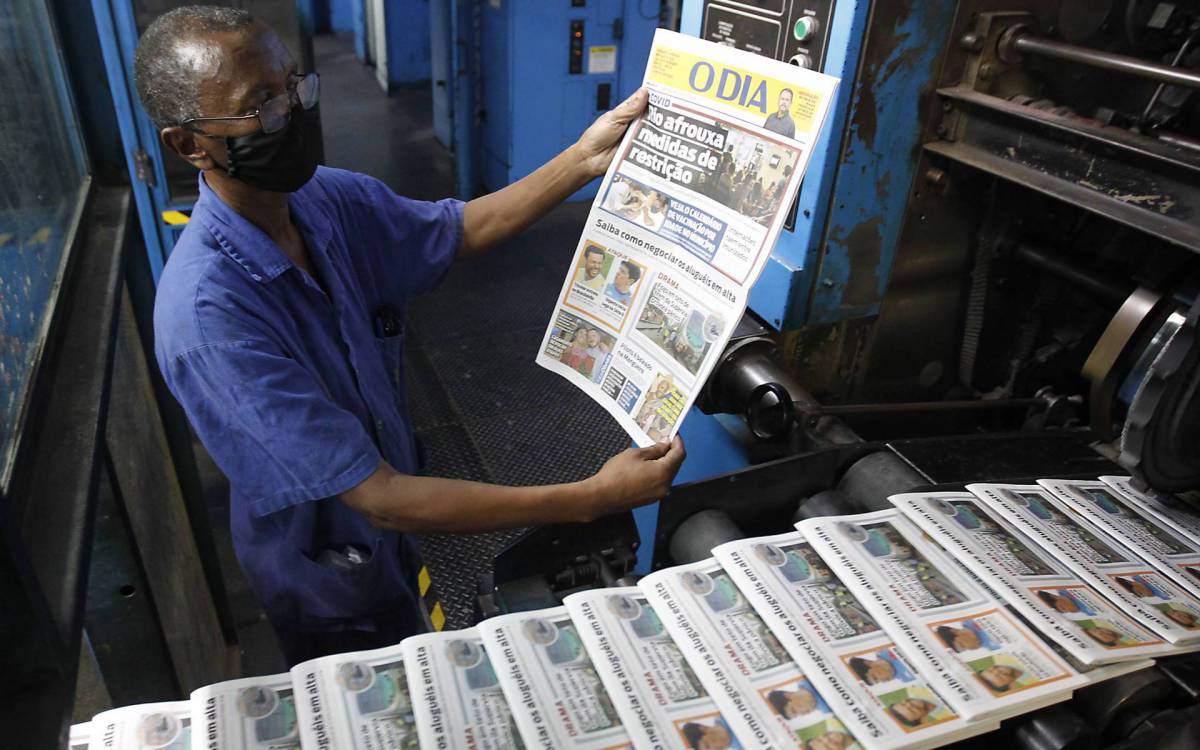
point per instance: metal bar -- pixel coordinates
(923, 407)
(1108, 289)
(1031, 45)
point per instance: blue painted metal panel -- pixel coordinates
(118, 63)
(465, 18)
(441, 52)
(782, 293)
(526, 45)
(358, 24)
(878, 161)
(341, 14)
(408, 43)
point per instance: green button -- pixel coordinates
(805, 28)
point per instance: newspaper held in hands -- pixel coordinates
(558, 699)
(654, 689)
(1172, 553)
(763, 696)
(457, 699)
(1030, 578)
(1100, 561)
(1173, 511)
(852, 662)
(159, 725)
(979, 656)
(681, 227)
(256, 712)
(356, 700)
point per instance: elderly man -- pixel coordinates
(279, 327)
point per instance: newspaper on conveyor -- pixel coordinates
(167, 726)
(1182, 516)
(256, 713)
(358, 701)
(1027, 576)
(1100, 561)
(852, 661)
(557, 698)
(979, 656)
(656, 692)
(457, 699)
(1172, 553)
(763, 696)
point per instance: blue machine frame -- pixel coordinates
(835, 264)
(493, 62)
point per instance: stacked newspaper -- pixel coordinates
(1122, 576)
(1032, 579)
(1172, 511)
(764, 697)
(547, 675)
(654, 689)
(853, 632)
(832, 636)
(978, 656)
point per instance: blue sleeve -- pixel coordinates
(413, 242)
(269, 426)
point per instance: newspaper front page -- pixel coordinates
(256, 712)
(1023, 573)
(763, 696)
(682, 225)
(1100, 561)
(852, 662)
(980, 657)
(1172, 553)
(355, 700)
(456, 697)
(166, 726)
(1181, 516)
(557, 698)
(655, 691)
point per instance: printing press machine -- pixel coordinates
(992, 274)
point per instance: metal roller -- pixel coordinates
(694, 539)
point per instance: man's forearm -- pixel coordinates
(408, 503)
(496, 217)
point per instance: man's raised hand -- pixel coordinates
(599, 142)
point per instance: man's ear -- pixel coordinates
(185, 143)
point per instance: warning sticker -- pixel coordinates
(602, 60)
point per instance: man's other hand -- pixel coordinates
(635, 477)
(598, 144)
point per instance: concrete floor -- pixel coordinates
(481, 406)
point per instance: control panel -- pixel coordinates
(575, 63)
(795, 31)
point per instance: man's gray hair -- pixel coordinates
(167, 72)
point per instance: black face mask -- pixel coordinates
(281, 161)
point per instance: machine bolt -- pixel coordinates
(827, 283)
(947, 105)
(986, 71)
(935, 176)
(971, 41)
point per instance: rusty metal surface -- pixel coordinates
(892, 96)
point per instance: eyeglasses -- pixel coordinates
(275, 113)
